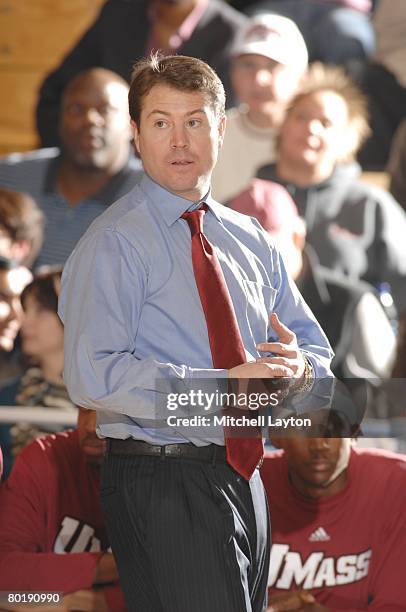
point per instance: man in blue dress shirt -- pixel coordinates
(187, 530)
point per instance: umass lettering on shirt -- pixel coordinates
(290, 569)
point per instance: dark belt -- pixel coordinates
(211, 453)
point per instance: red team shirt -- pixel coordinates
(50, 504)
(349, 549)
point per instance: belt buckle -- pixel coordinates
(172, 450)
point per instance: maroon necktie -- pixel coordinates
(227, 349)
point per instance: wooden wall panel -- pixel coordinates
(34, 36)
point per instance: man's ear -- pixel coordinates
(136, 135)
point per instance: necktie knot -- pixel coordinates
(195, 219)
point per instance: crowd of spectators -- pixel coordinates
(315, 96)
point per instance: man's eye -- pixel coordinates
(194, 122)
(160, 123)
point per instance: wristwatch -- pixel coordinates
(307, 380)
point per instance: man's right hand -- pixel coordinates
(285, 360)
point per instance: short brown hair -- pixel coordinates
(44, 288)
(177, 71)
(22, 220)
(321, 78)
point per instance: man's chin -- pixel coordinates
(90, 161)
(190, 190)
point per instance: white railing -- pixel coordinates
(38, 415)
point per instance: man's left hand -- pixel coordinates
(286, 352)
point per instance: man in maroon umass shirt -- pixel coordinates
(338, 518)
(49, 506)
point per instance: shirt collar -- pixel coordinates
(171, 206)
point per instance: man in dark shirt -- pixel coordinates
(94, 166)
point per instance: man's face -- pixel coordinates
(315, 131)
(316, 463)
(263, 84)
(92, 447)
(12, 283)
(94, 124)
(178, 139)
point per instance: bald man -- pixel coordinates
(93, 168)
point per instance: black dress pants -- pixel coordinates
(187, 535)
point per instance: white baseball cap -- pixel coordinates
(275, 37)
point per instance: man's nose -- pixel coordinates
(91, 115)
(319, 444)
(179, 137)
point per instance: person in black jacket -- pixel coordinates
(127, 30)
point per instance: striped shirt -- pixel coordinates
(35, 173)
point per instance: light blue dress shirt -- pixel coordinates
(134, 324)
